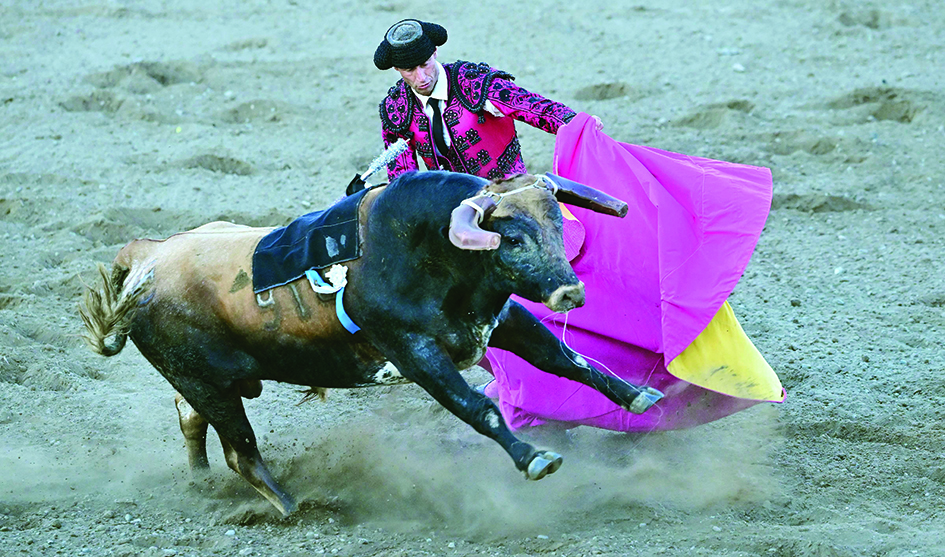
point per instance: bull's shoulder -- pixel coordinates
(470, 82)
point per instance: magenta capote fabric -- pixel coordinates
(654, 280)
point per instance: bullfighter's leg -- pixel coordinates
(521, 333)
(422, 362)
(194, 428)
(223, 409)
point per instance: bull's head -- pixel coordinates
(520, 219)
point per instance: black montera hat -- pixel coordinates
(408, 43)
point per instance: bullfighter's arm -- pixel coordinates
(525, 106)
(406, 161)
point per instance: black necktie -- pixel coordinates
(438, 137)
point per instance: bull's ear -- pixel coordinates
(579, 195)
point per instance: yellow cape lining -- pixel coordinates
(723, 359)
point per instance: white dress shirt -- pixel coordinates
(441, 91)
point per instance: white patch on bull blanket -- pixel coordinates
(388, 375)
(331, 246)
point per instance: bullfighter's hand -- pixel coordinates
(598, 123)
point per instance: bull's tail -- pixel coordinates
(107, 311)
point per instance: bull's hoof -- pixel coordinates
(648, 397)
(288, 507)
(542, 464)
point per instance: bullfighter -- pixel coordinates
(457, 116)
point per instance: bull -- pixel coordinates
(441, 254)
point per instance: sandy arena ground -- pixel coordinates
(125, 119)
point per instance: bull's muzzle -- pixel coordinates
(566, 298)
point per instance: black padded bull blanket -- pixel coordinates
(313, 241)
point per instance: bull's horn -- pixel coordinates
(579, 195)
(464, 225)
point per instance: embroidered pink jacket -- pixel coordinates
(481, 144)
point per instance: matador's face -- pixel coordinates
(421, 78)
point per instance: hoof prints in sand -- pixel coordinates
(716, 114)
(884, 103)
(817, 203)
(178, 92)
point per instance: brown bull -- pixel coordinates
(441, 254)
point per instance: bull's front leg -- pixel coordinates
(521, 333)
(420, 360)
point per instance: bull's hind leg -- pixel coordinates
(522, 334)
(194, 428)
(223, 409)
(251, 467)
(211, 375)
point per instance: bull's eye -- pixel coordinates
(513, 241)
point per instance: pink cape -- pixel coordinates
(654, 280)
